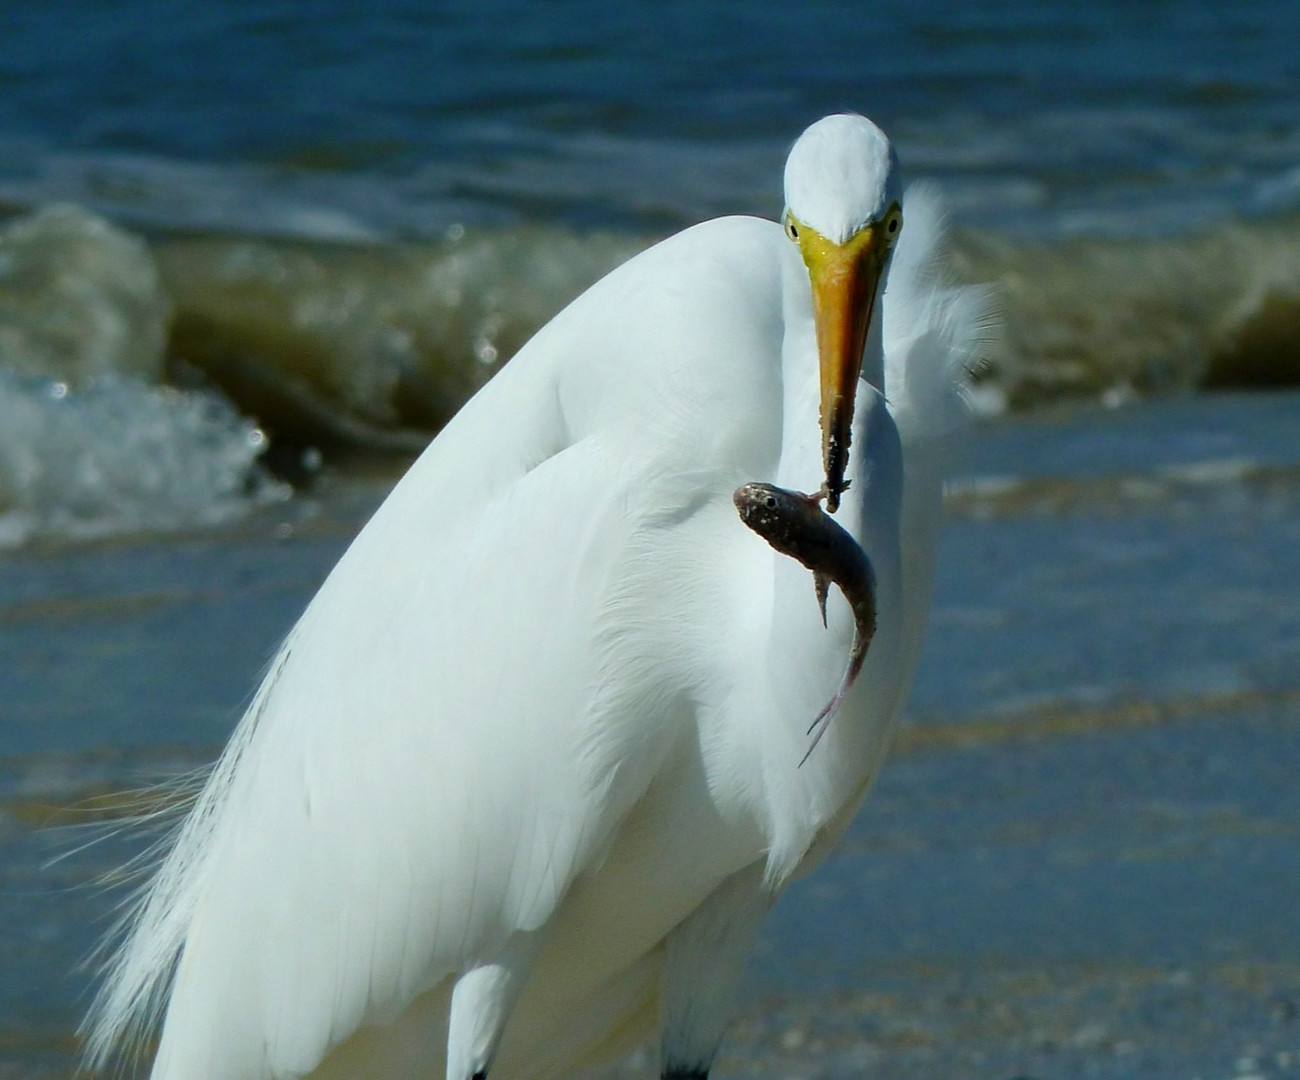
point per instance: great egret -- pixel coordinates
(521, 784)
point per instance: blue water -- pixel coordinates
(405, 115)
(1135, 563)
(1091, 804)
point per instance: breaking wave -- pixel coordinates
(141, 382)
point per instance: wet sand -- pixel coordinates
(1082, 859)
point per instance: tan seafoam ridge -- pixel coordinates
(379, 344)
(1055, 720)
(399, 336)
(1115, 319)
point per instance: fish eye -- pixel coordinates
(770, 502)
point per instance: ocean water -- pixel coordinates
(1080, 859)
(252, 255)
(342, 219)
(403, 117)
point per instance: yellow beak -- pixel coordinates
(844, 280)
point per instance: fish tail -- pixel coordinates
(823, 719)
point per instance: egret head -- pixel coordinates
(843, 198)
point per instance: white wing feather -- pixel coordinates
(424, 771)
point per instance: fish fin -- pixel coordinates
(823, 719)
(823, 586)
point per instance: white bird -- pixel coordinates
(521, 784)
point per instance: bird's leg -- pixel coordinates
(703, 959)
(480, 1006)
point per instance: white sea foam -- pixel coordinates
(120, 456)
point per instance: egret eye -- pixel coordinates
(893, 223)
(791, 229)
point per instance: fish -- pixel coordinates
(795, 524)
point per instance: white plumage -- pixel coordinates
(538, 737)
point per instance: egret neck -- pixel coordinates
(804, 660)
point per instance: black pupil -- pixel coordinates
(893, 225)
(771, 503)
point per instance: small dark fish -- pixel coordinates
(795, 525)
